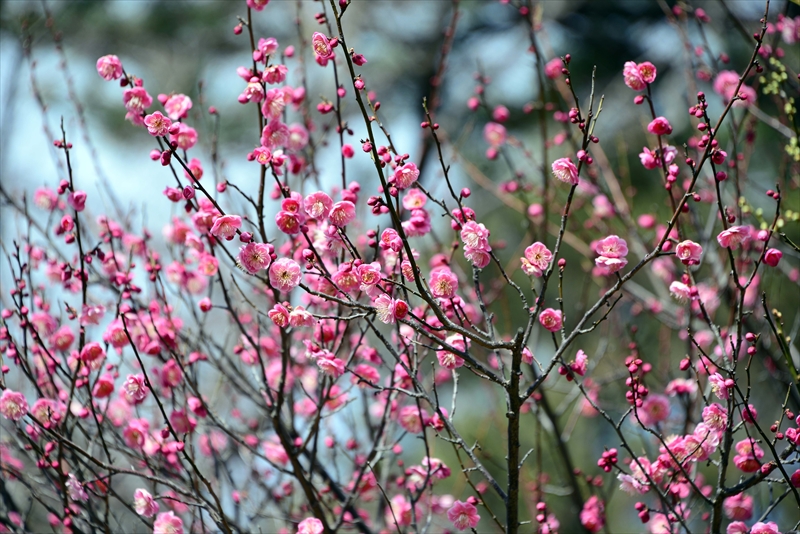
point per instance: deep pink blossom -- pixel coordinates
(772, 256)
(157, 124)
(494, 134)
(177, 106)
(715, 417)
(134, 390)
(739, 507)
(593, 514)
(612, 246)
(318, 205)
(765, 528)
(551, 319)
(342, 213)
(323, 51)
(659, 126)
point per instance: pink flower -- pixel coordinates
(593, 514)
(765, 528)
(680, 291)
(144, 504)
(733, 237)
(612, 246)
(748, 456)
(610, 265)
(649, 159)
(647, 71)
(689, 252)
(719, 386)
(318, 205)
(168, 523)
(390, 240)
(77, 200)
(46, 199)
(632, 76)
(342, 213)
(552, 68)
(737, 527)
(136, 100)
(772, 257)
(463, 515)
(279, 315)
(331, 366)
(310, 525)
(323, 51)
(565, 170)
(725, 85)
(275, 74)
(184, 136)
(258, 5)
(13, 405)
(384, 308)
(253, 92)
(274, 135)
(537, 259)
(225, 227)
(284, 274)
(157, 124)
(659, 126)
(715, 417)
(479, 257)
(739, 507)
(75, 489)
(579, 365)
(475, 235)
(109, 68)
(300, 317)
(177, 106)
(494, 134)
(404, 176)
(104, 386)
(444, 283)
(134, 389)
(135, 433)
(255, 256)
(92, 351)
(551, 319)
(655, 409)
(448, 359)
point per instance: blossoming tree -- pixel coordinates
(297, 356)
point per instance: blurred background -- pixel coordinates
(48, 52)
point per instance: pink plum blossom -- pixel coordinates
(463, 515)
(225, 227)
(13, 405)
(284, 274)
(733, 237)
(565, 171)
(689, 252)
(254, 257)
(109, 67)
(144, 504)
(168, 523)
(551, 319)
(537, 259)
(157, 124)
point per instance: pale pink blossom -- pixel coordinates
(254, 257)
(463, 515)
(537, 259)
(551, 319)
(610, 265)
(680, 291)
(331, 366)
(715, 417)
(404, 176)
(144, 503)
(275, 135)
(284, 274)
(390, 240)
(134, 390)
(318, 205)
(13, 405)
(168, 523)
(737, 527)
(177, 106)
(494, 134)
(475, 235)
(655, 409)
(310, 525)
(719, 386)
(612, 246)
(75, 489)
(733, 237)
(444, 283)
(689, 252)
(565, 170)
(225, 227)
(109, 67)
(342, 213)
(136, 100)
(410, 419)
